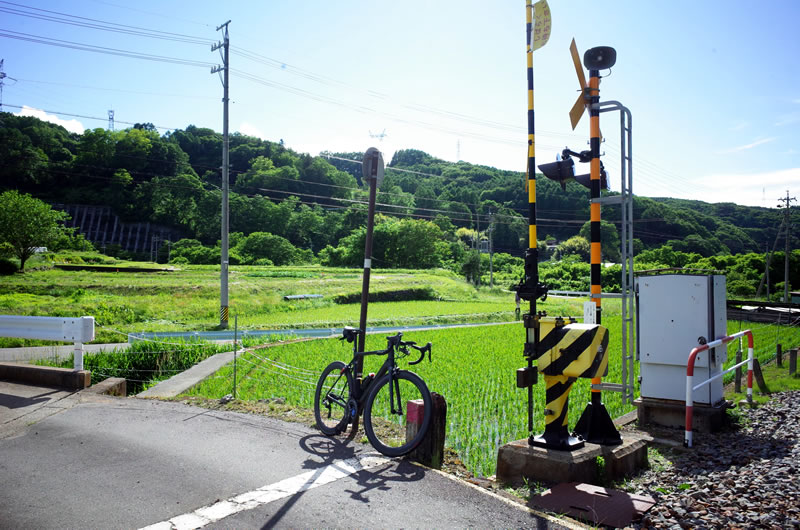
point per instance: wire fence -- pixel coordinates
(150, 360)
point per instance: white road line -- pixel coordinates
(269, 493)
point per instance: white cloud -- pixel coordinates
(739, 126)
(747, 146)
(750, 188)
(788, 119)
(70, 125)
(251, 130)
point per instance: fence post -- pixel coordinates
(738, 380)
(235, 347)
(762, 384)
(430, 451)
(77, 357)
(792, 361)
(779, 355)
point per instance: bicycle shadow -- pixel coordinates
(326, 451)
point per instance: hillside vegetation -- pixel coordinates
(293, 208)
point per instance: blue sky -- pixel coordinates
(713, 85)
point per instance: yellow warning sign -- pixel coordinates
(541, 28)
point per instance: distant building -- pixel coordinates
(794, 297)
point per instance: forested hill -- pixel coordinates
(316, 202)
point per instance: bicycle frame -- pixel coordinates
(388, 366)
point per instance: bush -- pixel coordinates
(8, 267)
(402, 295)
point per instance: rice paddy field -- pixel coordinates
(473, 368)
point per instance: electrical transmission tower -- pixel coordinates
(787, 224)
(110, 120)
(225, 68)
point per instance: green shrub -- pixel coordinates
(8, 267)
(402, 295)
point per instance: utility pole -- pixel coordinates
(225, 68)
(788, 226)
(3, 77)
(491, 251)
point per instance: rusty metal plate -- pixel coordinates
(594, 503)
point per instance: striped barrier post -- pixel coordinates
(691, 387)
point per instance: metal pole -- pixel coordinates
(373, 170)
(532, 254)
(594, 207)
(787, 223)
(235, 349)
(491, 251)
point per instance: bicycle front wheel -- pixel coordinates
(390, 417)
(331, 399)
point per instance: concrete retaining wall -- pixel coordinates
(46, 376)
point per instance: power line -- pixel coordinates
(99, 49)
(87, 117)
(121, 90)
(93, 23)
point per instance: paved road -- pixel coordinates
(80, 460)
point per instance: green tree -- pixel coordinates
(575, 245)
(471, 267)
(263, 245)
(27, 223)
(609, 238)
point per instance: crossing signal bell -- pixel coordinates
(600, 58)
(563, 170)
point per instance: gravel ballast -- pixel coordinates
(742, 478)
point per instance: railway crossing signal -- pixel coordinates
(563, 349)
(562, 171)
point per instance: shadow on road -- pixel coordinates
(325, 451)
(16, 402)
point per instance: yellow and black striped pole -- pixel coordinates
(537, 32)
(530, 289)
(595, 425)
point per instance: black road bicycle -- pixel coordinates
(384, 397)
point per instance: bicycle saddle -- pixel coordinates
(350, 333)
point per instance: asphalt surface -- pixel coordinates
(82, 460)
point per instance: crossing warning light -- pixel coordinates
(562, 171)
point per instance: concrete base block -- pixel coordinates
(517, 461)
(113, 386)
(671, 413)
(46, 376)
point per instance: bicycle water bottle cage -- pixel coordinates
(350, 333)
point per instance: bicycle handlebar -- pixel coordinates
(422, 350)
(397, 342)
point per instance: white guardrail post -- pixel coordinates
(78, 330)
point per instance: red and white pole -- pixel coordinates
(690, 387)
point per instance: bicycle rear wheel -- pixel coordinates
(331, 398)
(387, 413)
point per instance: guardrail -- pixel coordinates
(687, 439)
(76, 330)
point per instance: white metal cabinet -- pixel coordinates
(673, 312)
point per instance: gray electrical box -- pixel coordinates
(672, 312)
